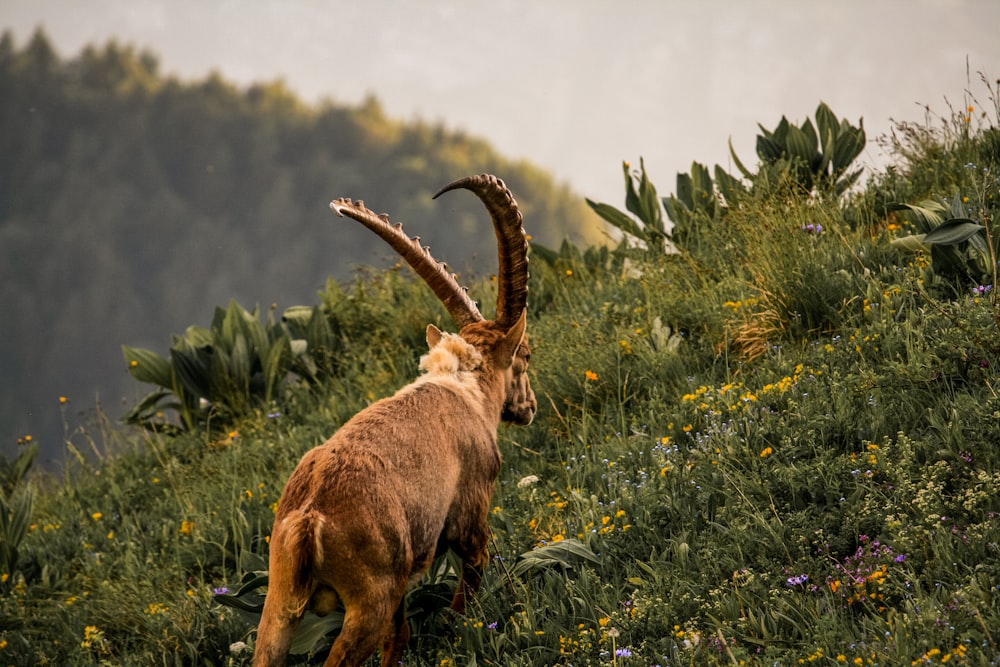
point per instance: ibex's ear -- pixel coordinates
(513, 337)
(434, 336)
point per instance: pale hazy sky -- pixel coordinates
(574, 86)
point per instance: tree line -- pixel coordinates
(132, 203)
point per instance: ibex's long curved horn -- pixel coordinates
(454, 297)
(512, 243)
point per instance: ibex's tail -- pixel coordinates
(294, 550)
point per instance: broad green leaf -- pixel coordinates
(685, 190)
(768, 149)
(828, 126)
(809, 131)
(147, 366)
(299, 315)
(701, 179)
(312, 630)
(847, 147)
(192, 372)
(239, 362)
(798, 147)
(952, 232)
(927, 214)
(147, 408)
(273, 367)
(729, 186)
(736, 160)
(616, 218)
(912, 243)
(564, 552)
(196, 336)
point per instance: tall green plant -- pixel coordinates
(641, 200)
(16, 501)
(213, 375)
(817, 156)
(957, 244)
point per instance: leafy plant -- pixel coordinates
(215, 375)
(957, 244)
(817, 156)
(16, 501)
(700, 200)
(641, 200)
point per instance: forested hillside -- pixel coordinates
(132, 204)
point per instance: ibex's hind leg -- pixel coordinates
(358, 638)
(397, 637)
(274, 638)
(368, 623)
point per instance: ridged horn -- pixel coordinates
(512, 243)
(454, 297)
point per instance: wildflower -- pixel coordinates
(797, 580)
(63, 400)
(813, 228)
(237, 647)
(492, 626)
(767, 451)
(186, 527)
(133, 363)
(591, 375)
(623, 653)
(91, 635)
(96, 516)
(981, 289)
(155, 608)
(221, 590)
(569, 272)
(528, 480)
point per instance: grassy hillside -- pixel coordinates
(777, 442)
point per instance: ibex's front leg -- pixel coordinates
(475, 555)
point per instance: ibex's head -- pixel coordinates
(512, 285)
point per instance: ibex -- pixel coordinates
(410, 476)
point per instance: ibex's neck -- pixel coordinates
(458, 365)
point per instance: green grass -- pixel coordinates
(783, 451)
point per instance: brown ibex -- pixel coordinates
(363, 515)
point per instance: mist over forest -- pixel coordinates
(132, 204)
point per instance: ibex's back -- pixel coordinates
(364, 514)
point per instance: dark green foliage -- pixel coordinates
(817, 156)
